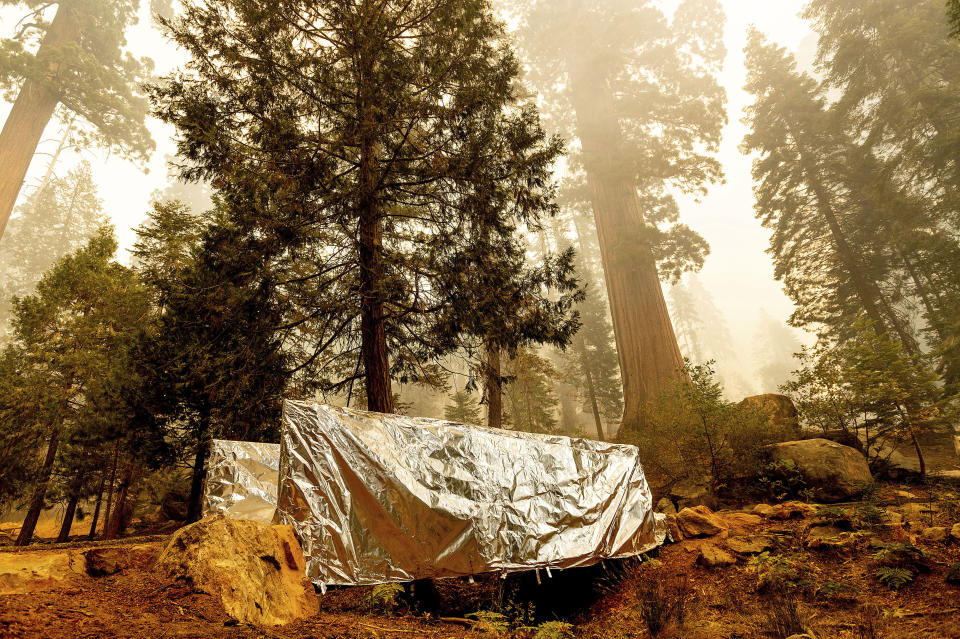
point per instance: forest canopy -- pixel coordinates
(473, 210)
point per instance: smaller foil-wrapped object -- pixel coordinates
(242, 480)
(379, 498)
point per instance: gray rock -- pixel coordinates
(824, 532)
(750, 545)
(699, 522)
(934, 534)
(833, 471)
(918, 513)
(673, 529)
(666, 506)
(955, 532)
(781, 409)
(713, 557)
(688, 494)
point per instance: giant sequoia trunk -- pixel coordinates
(31, 112)
(650, 359)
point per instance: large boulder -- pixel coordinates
(32, 570)
(689, 493)
(699, 521)
(833, 471)
(101, 562)
(712, 557)
(257, 570)
(781, 409)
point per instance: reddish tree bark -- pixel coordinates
(31, 113)
(373, 337)
(650, 359)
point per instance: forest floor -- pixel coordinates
(829, 578)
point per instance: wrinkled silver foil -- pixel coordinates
(242, 480)
(384, 498)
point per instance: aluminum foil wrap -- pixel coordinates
(242, 480)
(384, 498)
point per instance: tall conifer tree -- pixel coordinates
(370, 140)
(639, 92)
(69, 53)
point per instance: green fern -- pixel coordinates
(894, 578)
(384, 598)
(554, 630)
(953, 574)
(490, 622)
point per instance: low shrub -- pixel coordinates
(837, 591)
(554, 630)
(898, 564)
(689, 432)
(659, 605)
(784, 618)
(894, 578)
(383, 598)
(782, 481)
(489, 622)
(838, 517)
(784, 574)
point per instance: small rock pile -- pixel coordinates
(734, 531)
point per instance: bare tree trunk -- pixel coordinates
(376, 361)
(591, 391)
(113, 527)
(56, 155)
(567, 394)
(111, 487)
(650, 360)
(69, 515)
(40, 491)
(195, 506)
(874, 302)
(919, 451)
(493, 386)
(96, 509)
(31, 112)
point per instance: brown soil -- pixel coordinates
(721, 603)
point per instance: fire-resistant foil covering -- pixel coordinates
(242, 480)
(380, 498)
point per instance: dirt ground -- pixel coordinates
(600, 603)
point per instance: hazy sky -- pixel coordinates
(738, 271)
